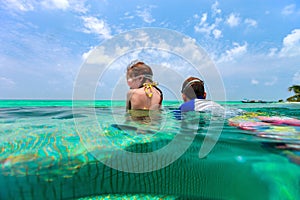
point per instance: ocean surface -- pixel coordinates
(59, 149)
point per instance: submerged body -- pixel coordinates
(43, 156)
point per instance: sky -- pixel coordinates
(254, 45)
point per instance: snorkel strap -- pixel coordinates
(190, 84)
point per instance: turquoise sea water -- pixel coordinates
(51, 150)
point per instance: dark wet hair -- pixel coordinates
(193, 88)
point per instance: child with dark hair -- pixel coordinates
(194, 96)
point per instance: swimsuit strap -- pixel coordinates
(148, 88)
(161, 95)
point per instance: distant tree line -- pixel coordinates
(296, 90)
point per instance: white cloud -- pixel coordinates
(289, 9)
(146, 15)
(233, 20)
(208, 29)
(205, 27)
(30, 5)
(215, 9)
(128, 15)
(78, 6)
(203, 18)
(292, 38)
(254, 82)
(56, 4)
(291, 44)
(233, 53)
(196, 16)
(74, 5)
(19, 5)
(251, 22)
(99, 55)
(296, 78)
(86, 54)
(217, 33)
(6, 82)
(271, 82)
(237, 50)
(272, 52)
(96, 26)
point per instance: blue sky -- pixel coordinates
(255, 45)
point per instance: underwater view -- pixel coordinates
(90, 150)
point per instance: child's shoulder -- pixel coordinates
(188, 106)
